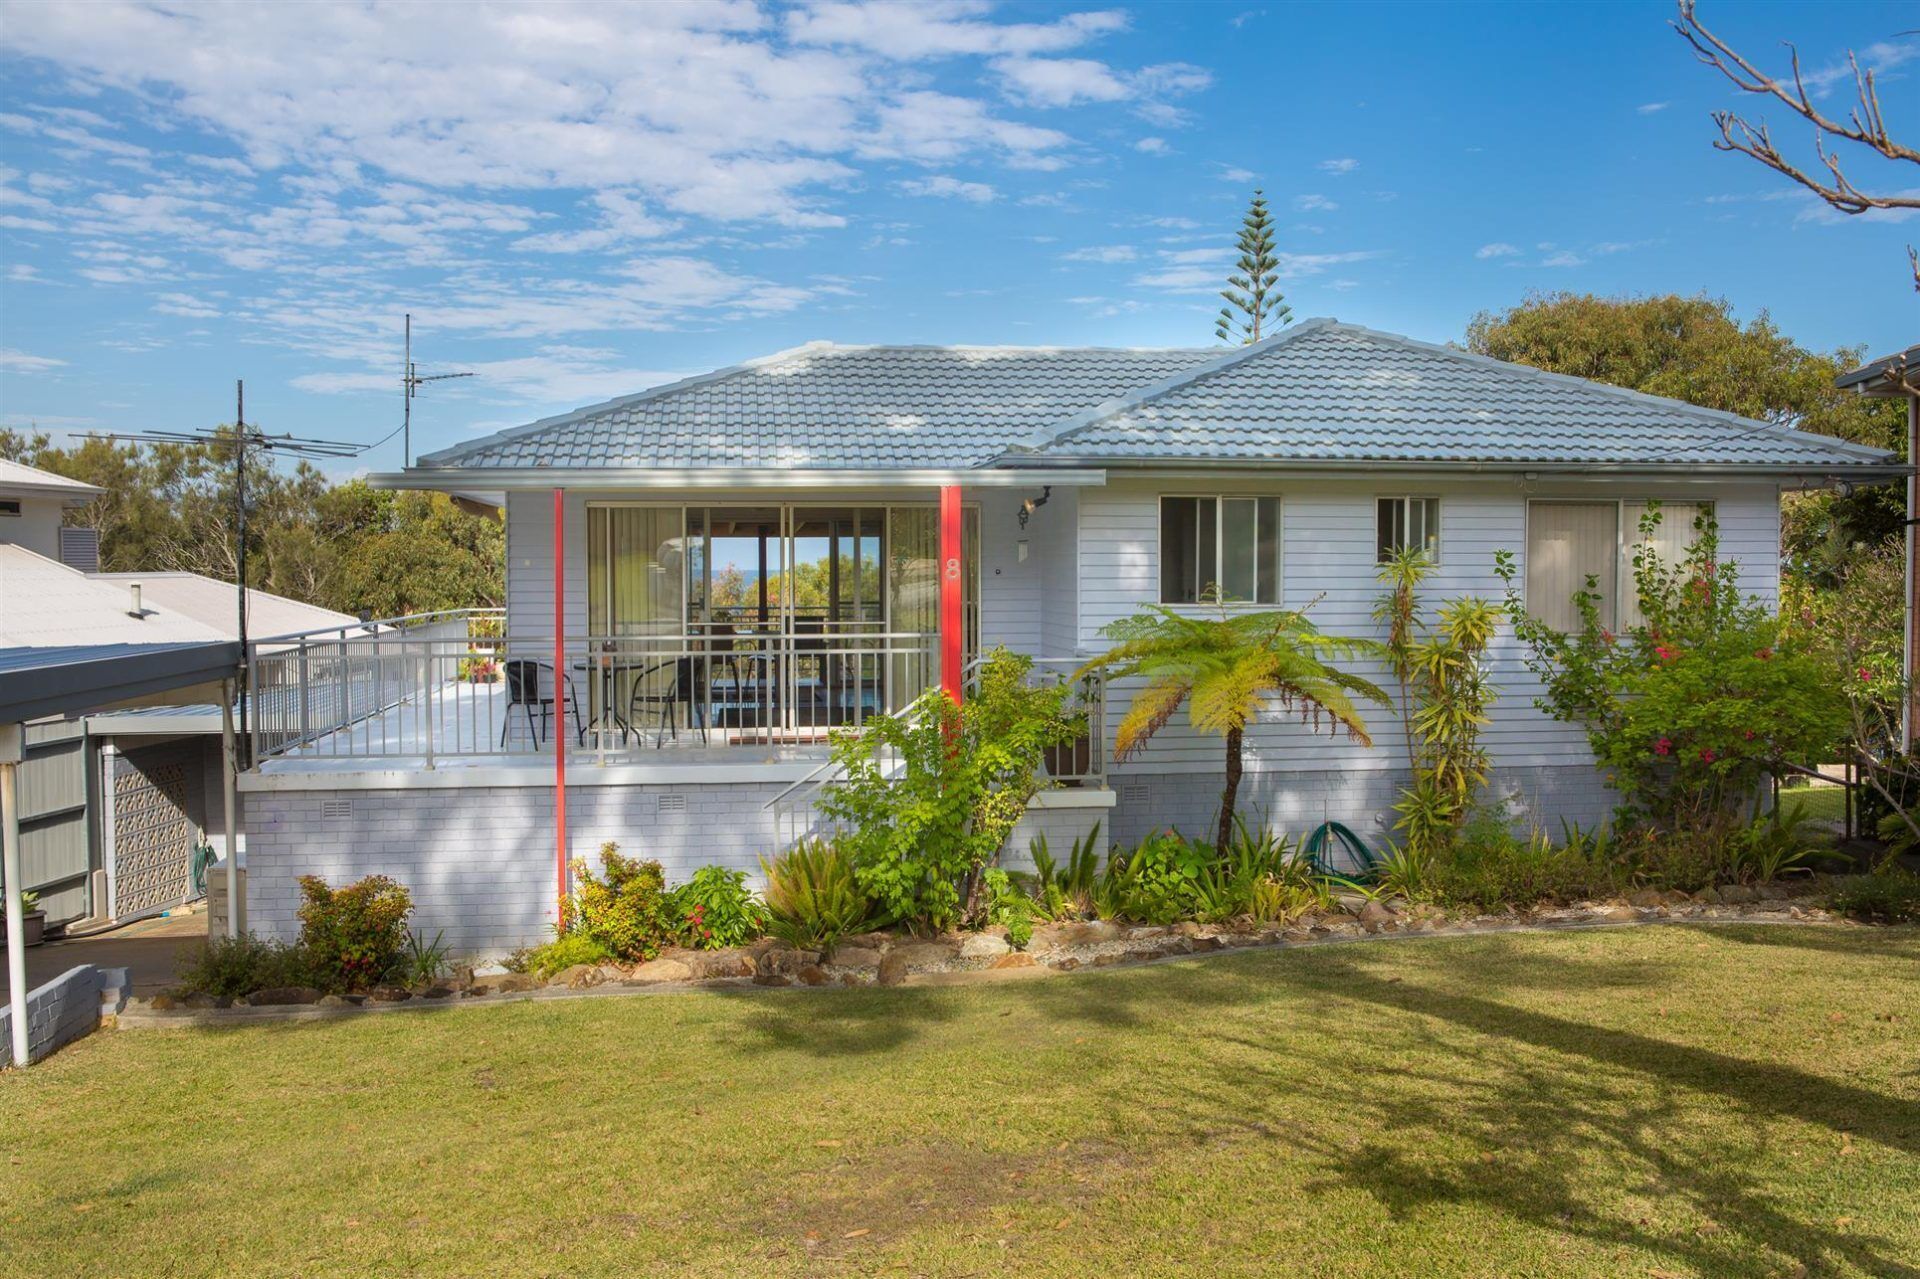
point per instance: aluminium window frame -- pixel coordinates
(1219, 548)
(1622, 544)
(1403, 499)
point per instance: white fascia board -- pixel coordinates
(610, 478)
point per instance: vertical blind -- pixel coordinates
(1569, 541)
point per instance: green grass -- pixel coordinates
(1657, 1101)
(1822, 803)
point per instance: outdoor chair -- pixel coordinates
(524, 690)
(686, 685)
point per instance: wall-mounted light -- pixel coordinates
(1032, 504)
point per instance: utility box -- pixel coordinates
(217, 897)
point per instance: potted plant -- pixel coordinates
(33, 920)
(1070, 761)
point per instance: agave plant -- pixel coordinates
(1227, 669)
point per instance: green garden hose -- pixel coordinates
(1330, 835)
(203, 857)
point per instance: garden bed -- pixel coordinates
(892, 959)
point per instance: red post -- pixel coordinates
(953, 637)
(560, 698)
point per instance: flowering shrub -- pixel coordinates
(717, 910)
(1689, 712)
(353, 936)
(629, 912)
(921, 831)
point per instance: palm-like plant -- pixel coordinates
(1227, 668)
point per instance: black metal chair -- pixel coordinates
(686, 687)
(524, 691)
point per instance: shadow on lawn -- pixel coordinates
(1548, 1144)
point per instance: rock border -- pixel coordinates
(884, 959)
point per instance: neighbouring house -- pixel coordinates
(715, 574)
(1897, 377)
(33, 509)
(116, 799)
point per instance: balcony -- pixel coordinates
(455, 690)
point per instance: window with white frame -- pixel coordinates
(1219, 547)
(1406, 523)
(1570, 542)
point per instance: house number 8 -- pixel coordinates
(953, 569)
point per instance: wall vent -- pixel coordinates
(1134, 793)
(673, 803)
(336, 808)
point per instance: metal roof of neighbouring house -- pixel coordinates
(211, 603)
(17, 478)
(45, 604)
(1319, 393)
(1890, 376)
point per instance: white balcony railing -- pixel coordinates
(455, 686)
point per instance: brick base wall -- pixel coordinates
(1296, 802)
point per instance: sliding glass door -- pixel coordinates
(774, 615)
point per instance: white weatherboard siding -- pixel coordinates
(1327, 557)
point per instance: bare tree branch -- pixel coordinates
(1866, 125)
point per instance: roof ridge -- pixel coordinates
(1133, 399)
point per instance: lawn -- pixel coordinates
(1648, 1102)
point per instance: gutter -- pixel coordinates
(1809, 475)
(522, 478)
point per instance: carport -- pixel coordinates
(48, 683)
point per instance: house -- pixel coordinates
(1897, 377)
(33, 508)
(117, 799)
(723, 570)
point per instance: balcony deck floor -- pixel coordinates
(463, 723)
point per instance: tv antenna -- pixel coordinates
(411, 381)
(243, 441)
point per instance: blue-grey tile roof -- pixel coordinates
(837, 408)
(1320, 392)
(1330, 392)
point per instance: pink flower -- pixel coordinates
(1664, 746)
(1664, 653)
(1749, 734)
(1764, 654)
(1864, 674)
(1708, 756)
(1606, 636)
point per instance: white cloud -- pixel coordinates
(1060, 82)
(1102, 253)
(1229, 173)
(941, 29)
(623, 218)
(1313, 202)
(1151, 146)
(185, 304)
(1650, 108)
(695, 109)
(1340, 167)
(1205, 270)
(1564, 257)
(1498, 249)
(20, 362)
(945, 187)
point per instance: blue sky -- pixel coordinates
(578, 202)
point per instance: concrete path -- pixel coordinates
(147, 950)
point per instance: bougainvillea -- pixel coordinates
(1690, 711)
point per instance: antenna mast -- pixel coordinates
(410, 383)
(247, 441)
